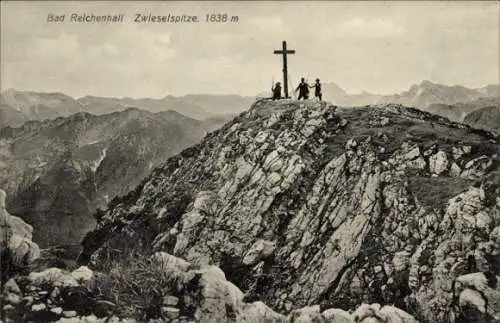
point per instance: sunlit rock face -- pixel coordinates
(304, 203)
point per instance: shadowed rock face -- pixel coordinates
(481, 113)
(300, 204)
(487, 118)
(17, 249)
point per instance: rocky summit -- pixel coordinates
(304, 203)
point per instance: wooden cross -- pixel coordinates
(283, 52)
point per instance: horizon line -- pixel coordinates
(2, 91)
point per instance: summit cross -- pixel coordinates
(284, 51)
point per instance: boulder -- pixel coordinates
(438, 163)
(412, 154)
(215, 296)
(455, 170)
(57, 310)
(391, 314)
(479, 292)
(170, 313)
(258, 312)
(55, 277)
(18, 251)
(82, 274)
(306, 314)
(69, 314)
(170, 300)
(335, 315)
(11, 287)
(460, 151)
(472, 298)
(375, 314)
(259, 250)
(175, 266)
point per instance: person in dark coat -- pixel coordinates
(317, 89)
(277, 91)
(303, 89)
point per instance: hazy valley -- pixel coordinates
(57, 172)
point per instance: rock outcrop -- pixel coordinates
(202, 295)
(304, 204)
(18, 251)
(53, 295)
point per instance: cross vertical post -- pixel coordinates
(284, 51)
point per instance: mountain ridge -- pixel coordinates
(57, 172)
(487, 117)
(305, 203)
(418, 95)
(17, 107)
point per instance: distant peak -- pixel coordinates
(9, 91)
(132, 109)
(169, 111)
(427, 83)
(332, 83)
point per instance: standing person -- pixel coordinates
(317, 89)
(276, 91)
(303, 89)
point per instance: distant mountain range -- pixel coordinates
(477, 107)
(418, 95)
(17, 107)
(57, 172)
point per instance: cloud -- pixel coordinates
(348, 43)
(270, 24)
(371, 28)
(110, 49)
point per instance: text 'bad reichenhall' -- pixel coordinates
(117, 18)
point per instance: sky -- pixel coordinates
(379, 47)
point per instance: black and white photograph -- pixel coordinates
(250, 161)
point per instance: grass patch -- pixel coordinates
(435, 192)
(136, 285)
